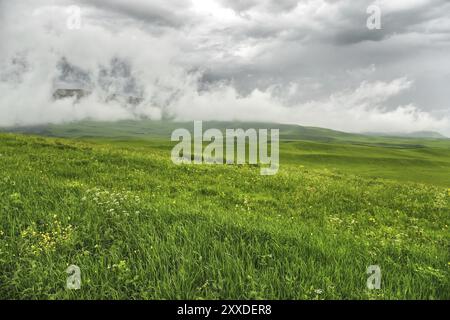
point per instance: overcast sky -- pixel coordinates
(311, 63)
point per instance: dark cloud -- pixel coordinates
(394, 22)
(330, 45)
(161, 13)
(274, 6)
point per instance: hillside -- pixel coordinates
(139, 226)
(403, 159)
(417, 134)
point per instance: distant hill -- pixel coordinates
(162, 129)
(424, 160)
(416, 134)
(146, 129)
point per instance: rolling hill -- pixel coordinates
(107, 198)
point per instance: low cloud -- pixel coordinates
(357, 110)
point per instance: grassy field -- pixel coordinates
(107, 198)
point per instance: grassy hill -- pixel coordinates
(402, 159)
(417, 134)
(107, 198)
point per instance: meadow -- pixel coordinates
(107, 198)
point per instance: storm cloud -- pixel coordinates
(305, 62)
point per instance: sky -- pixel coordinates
(307, 62)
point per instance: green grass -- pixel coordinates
(139, 226)
(401, 159)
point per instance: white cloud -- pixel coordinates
(355, 110)
(269, 61)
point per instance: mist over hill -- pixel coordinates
(417, 134)
(162, 129)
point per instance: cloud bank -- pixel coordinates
(303, 62)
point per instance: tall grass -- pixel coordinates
(140, 227)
